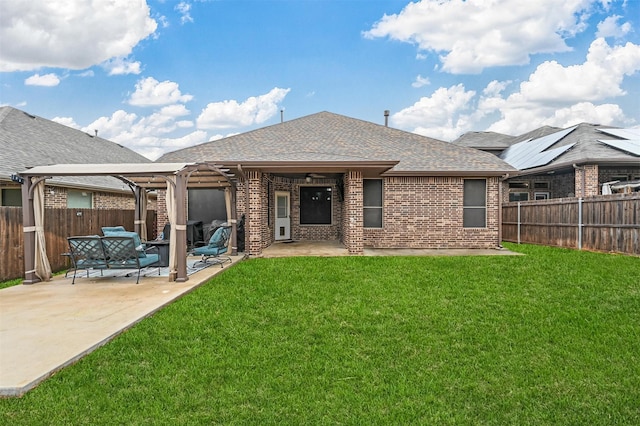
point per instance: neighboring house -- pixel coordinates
(578, 161)
(27, 141)
(330, 177)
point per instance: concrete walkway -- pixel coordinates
(47, 326)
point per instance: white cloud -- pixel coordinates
(421, 81)
(443, 115)
(73, 34)
(472, 35)
(230, 113)
(48, 80)
(121, 66)
(87, 73)
(610, 28)
(598, 78)
(151, 92)
(149, 135)
(556, 95)
(184, 9)
(66, 121)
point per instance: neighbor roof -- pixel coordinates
(27, 141)
(328, 137)
(579, 144)
(484, 140)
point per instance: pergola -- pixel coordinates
(175, 178)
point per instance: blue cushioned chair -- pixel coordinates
(211, 253)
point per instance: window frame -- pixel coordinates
(471, 207)
(301, 208)
(370, 207)
(4, 197)
(82, 193)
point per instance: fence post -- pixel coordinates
(580, 223)
(518, 222)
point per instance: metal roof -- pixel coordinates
(149, 175)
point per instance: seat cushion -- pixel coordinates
(209, 251)
(106, 229)
(136, 239)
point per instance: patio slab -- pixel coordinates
(335, 248)
(47, 326)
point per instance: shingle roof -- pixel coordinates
(27, 141)
(484, 140)
(327, 136)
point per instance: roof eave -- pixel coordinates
(582, 162)
(449, 173)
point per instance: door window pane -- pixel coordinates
(281, 203)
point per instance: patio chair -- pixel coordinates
(217, 246)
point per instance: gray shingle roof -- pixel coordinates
(484, 140)
(27, 141)
(327, 136)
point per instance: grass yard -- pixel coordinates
(552, 337)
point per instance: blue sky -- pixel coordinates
(156, 76)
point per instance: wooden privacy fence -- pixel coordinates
(58, 225)
(608, 223)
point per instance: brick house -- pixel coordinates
(27, 141)
(573, 162)
(330, 177)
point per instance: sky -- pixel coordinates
(160, 75)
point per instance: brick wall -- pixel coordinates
(586, 178)
(354, 235)
(419, 212)
(426, 212)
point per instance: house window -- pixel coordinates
(11, 197)
(315, 205)
(518, 196)
(79, 199)
(541, 196)
(474, 203)
(372, 202)
(541, 185)
(518, 185)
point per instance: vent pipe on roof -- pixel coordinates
(281, 116)
(96, 130)
(386, 118)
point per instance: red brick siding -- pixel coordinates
(426, 212)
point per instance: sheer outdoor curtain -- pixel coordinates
(43, 268)
(171, 213)
(143, 214)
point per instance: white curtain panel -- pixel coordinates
(143, 214)
(43, 268)
(171, 213)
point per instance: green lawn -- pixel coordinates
(552, 337)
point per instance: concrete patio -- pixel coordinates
(49, 325)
